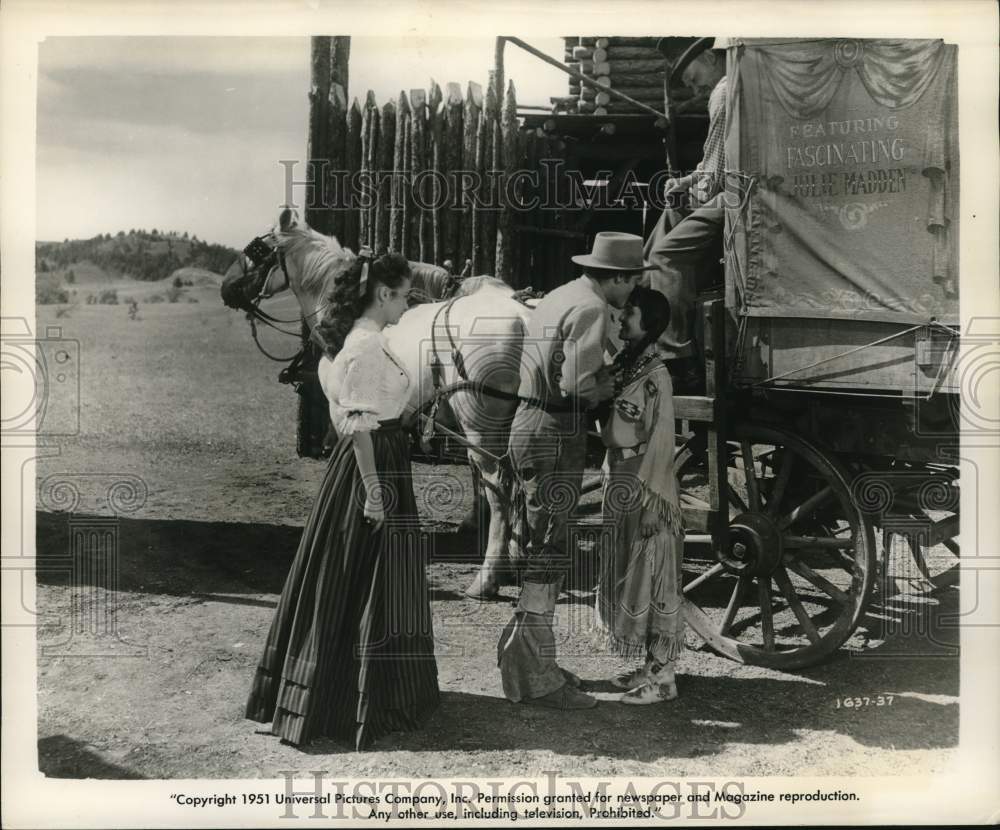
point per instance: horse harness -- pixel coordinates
(441, 391)
(429, 410)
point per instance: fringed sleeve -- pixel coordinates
(656, 471)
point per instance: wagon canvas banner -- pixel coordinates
(852, 149)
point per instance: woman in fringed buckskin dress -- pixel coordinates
(639, 598)
(350, 653)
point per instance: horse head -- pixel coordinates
(294, 256)
(247, 278)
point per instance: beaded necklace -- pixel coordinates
(628, 372)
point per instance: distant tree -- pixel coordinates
(48, 291)
(70, 276)
(120, 234)
(43, 267)
(185, 236)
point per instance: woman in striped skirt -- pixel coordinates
(350, 653)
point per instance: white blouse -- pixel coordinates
(365, 383)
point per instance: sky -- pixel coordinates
(186, 133)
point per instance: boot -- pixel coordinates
(660, 686)
(536, 607)
(632, 679)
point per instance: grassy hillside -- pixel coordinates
(84, 270)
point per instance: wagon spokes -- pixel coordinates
(766, 611)
(827, 587)
(793, 523)
(750, 473)
(780, 483)
(835, 542)
(715, 570)
(805, 509)
(736, 503)
(788, 590)
(735, 601)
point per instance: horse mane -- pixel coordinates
(322, 256)
(470, 285)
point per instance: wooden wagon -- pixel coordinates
(832, 392)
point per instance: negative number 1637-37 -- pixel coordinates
(860, 702)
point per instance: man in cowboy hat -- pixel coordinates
(687, 236)
(563, 374)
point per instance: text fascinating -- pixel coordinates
(869, 151)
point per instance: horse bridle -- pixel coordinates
(264, 255)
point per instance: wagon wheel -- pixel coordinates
(792, 583)
(911, 561)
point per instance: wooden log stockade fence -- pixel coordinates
(430, 175)
(418, 175)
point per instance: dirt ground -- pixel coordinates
(144, 668)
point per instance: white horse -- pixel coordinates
(482, 330)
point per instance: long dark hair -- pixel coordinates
(346, 303)
(654, 313)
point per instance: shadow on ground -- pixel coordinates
(711, 714)
(185, 558)
(63, 757)
(723, 708)
(214, 560)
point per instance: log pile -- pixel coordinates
(635, 66)
(631, 65)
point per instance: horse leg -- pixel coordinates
(479, 511)
(496, 569)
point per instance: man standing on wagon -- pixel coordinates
(688, 236)
(563, 374)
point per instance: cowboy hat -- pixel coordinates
(615, 251)
(688, 55)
